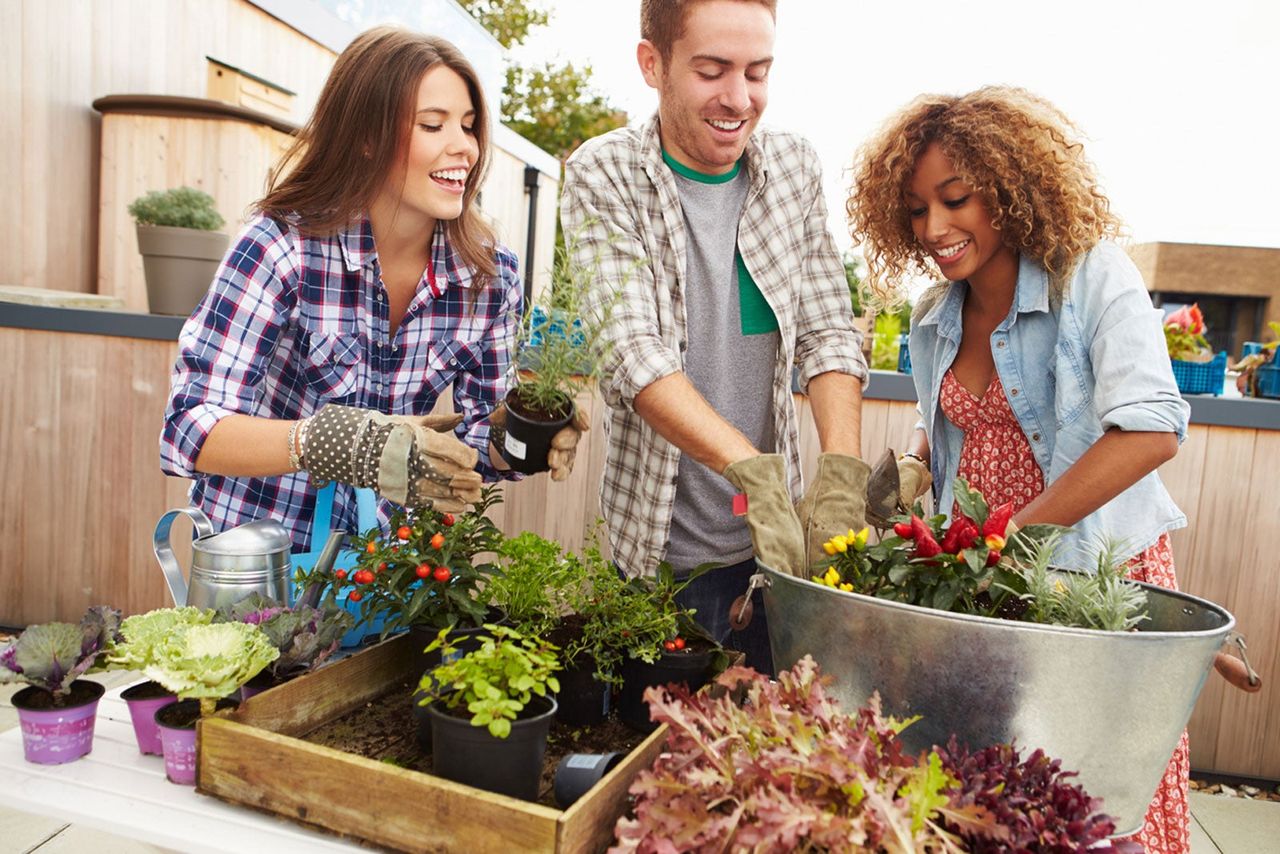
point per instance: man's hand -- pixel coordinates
(564, 444)
(775, 528)
(835, 502)
(408, 459)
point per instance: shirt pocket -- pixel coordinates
(1072, 392)
(447, 359)
(334, 364)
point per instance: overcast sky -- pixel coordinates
(1179, 101)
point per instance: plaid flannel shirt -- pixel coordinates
(620, 206)
(294, 322)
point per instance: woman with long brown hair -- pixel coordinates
(367, 283)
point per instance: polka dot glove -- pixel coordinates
(411, 460)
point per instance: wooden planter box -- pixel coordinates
(255, 757)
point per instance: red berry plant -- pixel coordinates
(427, 570)
(757, 765)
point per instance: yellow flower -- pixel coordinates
(841, 544)
(859, 540)
(1059, 587)
(832, 576)
(847, 587)
(829, 547)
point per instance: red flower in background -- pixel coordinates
(1188, 318)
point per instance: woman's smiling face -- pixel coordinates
(953, 224)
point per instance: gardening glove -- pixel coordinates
(775, 528)
(411, 460)
(564, 444)
(914, 480)
(834, 503)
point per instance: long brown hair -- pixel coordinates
(360, 130)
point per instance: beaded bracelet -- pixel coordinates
(294, 462)
(915, 457)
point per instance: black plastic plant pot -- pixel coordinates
(528, 440)
(583, 699)
(690, 668)
(465, 640)
(509, 766)
(578, 772)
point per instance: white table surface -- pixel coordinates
(117, 789)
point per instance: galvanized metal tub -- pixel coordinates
(1110, 705)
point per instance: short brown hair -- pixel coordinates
(360, 129)
(662, 21)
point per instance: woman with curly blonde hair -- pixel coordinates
(1039, 362)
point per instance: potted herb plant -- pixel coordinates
(202, 664)
(57, 710)
(181, 246)
(561, 347)
(304, 636)
(140, 636)
(491, 710)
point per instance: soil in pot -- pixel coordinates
(384, 730)
(144, 700)
(690, 666)
(51, 733)
(529, 433)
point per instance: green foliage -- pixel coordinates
(555, 107)
(494, 682)
(53, 655)
(508, 20)
(305, 636)
(853, 275)
(562, 343)
(183, 207)
(884, 347)
(210, 662)
(1102, 600)
(142, 634)
(534, 582)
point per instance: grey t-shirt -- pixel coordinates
(733, 370)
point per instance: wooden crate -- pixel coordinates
(256, 757)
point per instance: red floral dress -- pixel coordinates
(996, 459)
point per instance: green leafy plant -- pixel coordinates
(779, 766)
(142, 634)
(428, 571)
(534, 581)
(1103, 599)
(495, 682)
(53, 655)
(305, 636)
(183, 207)
(209, 662)
(562, 342)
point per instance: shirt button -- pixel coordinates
(1035, 437)
(1000, 343)
(1013, 391)
(453, 363)
(379, 296)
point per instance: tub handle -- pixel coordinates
(1238, 671)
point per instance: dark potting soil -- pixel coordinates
(536, 413)
(384, 729)
(81, 692)
(146, 691)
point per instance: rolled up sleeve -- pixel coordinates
(1134, 385)
(601, 236)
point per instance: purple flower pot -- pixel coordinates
(54, 735)
(178, 738)
(142, 711)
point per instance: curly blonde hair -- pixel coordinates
(1020, 154)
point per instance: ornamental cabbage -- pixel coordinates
(53, 655)
(142, 633)
(305, 636)
(210, 662)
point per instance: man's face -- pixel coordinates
(714, 88)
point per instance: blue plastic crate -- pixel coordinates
(1269, 381)
(904, 354)
(1201, 377)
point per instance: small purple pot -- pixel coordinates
(55, 736)
(142, 711)
(179, 743)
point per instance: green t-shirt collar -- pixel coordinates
(701, 177)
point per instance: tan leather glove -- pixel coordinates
(914, 480)
(564, 444)
(411, 460)
(834, 503)
(775, 528)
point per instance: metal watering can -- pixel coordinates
(1110, 705)
(227, 567)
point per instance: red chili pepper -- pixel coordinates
(960, 535)
(998, 520)
(993, 557)
(903, 529)
(679, 642)
(437, 540)
(354, 596)
(441, 574)
(926, 545)
(423, 570)
(340, 574)
(404, 532)
(447, 520)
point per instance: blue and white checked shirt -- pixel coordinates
(293, 322)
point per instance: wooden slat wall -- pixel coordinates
(82, 491)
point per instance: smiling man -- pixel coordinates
(711, 235)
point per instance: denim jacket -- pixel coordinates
(1071, 369)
